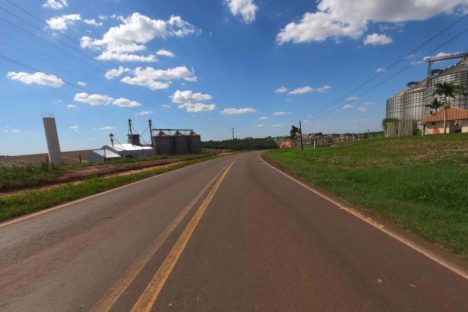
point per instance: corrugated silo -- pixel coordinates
(163, 143)
(194, 142)
(181, 143)
(53, 144)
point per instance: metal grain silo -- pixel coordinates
(163, 143)
(194, 142)
(53, 144)
(181, 143)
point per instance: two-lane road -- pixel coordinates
(230, 234)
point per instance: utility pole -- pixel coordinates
(300, 132)
(150, 124)
(232, 129)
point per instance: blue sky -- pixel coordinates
(255, 65)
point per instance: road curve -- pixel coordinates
(229, 234)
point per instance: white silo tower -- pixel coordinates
(53, 144)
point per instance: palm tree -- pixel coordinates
(447, 91)
(435, 105)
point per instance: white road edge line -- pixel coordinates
(76, 201)
(429, 254)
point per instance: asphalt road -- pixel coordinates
(230, 234)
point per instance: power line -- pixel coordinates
(394, 63)
(327, 110)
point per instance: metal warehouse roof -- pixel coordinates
(121, 147)
(453, 113)
(105, 153)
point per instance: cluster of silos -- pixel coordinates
(177, 143)
(412, 102)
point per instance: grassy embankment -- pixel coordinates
(419, 183)
(31, 201)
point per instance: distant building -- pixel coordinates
(117, 150)
(409, 105)
(457, 121)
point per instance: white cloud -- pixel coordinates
(323, 89)
(238, 111)
(55, 4)
(380, 70)
(166, 53)
(302, 90)
(81, 83)
(260, 125)
(74, 128)
(116, 72)
(39, 78)
(150, 77)
(191, 101)
(377, 39)
(281, 90)
(144, 113)
(125, 42)
(93, 99)
(347, 106)
(276, 125)
(262, 118)
(62, 22)
(363, 109)
(352, 98)
(71, 106)
(107, 128)
(123, 102)
(245, 8)
(92, 22)
(281, 113)
(344, 18)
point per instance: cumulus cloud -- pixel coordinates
(74, 128)
(344, 18)
(102, 99)
(166, 53)
(377, 39)
(123, 102)
(156, 79)
(71, 106)
(262, 118)
(192, 102)
(116, 72)
(61, 23)
(260, 125)
(352, 98)
(347, 106)
(276, 125)
(281, 90)
(126, 42)
(55, 4)
(39, 78)
(238, 111)
(245, 8)
(81, 83)
(93, 99)
(105, 128)
(302, 90)
(363, 109)
(92, 22)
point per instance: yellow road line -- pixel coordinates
(455, 268)
(113, 294)
(150, 294)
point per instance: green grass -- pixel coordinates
(22, 176)
(31, 201)
(419, 183)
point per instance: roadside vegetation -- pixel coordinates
(33, 200)
(419, 183)
(18, 177)
(241, 144)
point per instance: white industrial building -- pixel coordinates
(120, 150)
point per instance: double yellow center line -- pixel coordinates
(149, 296)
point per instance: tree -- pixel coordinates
(294, 132)
(447, 91)
(435, 105)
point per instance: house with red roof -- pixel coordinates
(456, 121)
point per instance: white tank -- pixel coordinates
(53, 144)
